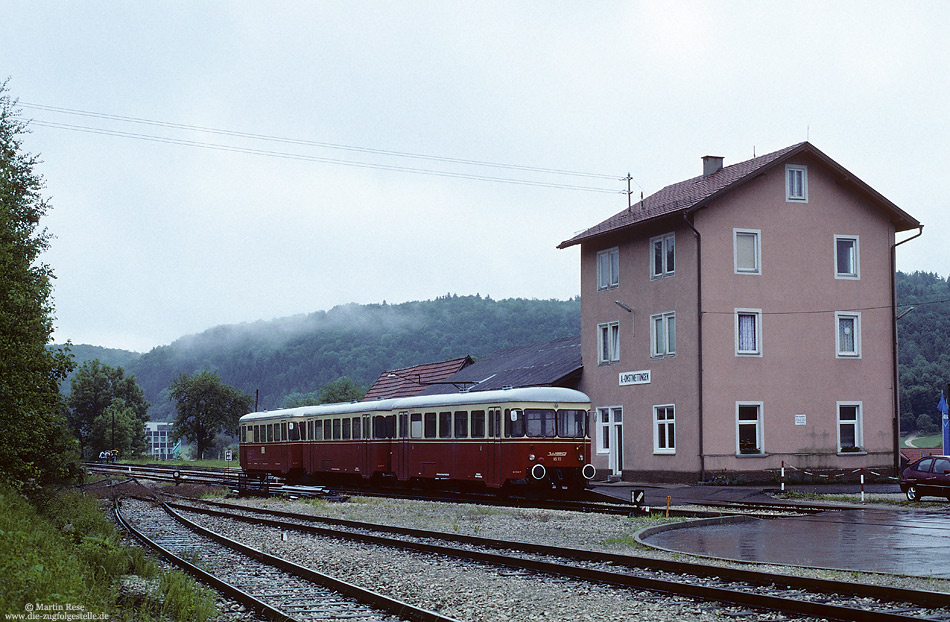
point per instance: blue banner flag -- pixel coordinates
(943, 407)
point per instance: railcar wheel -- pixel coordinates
(913, 493)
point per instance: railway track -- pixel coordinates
(591, 502)
(279, 589)
(744, 590)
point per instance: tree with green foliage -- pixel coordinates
(35, 445)
(204, 407)
(118, 427)
(94, 389)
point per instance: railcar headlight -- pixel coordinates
(531, 456)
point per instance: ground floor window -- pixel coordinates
(664, 433)
(749, 428)
(849, 427)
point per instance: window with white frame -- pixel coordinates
(850, 431)
(608, 268)
(606, 417)
(662, 256)
(748, 332)
(846, 257)
(608, 342)
(664, 433)
(663, 334)
(746, 251)
(749, 428)
(848, 334)
(796, 183)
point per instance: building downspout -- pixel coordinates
(897, 375)
(699, 340)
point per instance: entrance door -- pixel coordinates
(610, 421)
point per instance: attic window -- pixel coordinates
(796, 183)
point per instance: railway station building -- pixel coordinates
(742, 319)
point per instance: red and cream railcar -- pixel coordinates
(489, 438)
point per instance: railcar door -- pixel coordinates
(494, 447)
(401, 445)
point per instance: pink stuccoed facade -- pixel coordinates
(744, 319)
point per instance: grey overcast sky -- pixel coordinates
(165, 228)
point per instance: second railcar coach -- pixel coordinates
(536, 435)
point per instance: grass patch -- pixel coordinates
(61, 550)
(234, 464)
(852, 498)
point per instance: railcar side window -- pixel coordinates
(379, 426)
(540, 423)
(243, 434)
(514, 423)
(327, 429)
(336, 429)
(572, 423)
(461, 424)
(415, 425)
(445, 425)
(357, 428)
(404, 425)
(310, 429)
(346, 429)
(492, 424)
(478, 424)
(270, 432)
(430, 425)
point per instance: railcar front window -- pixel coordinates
(346, 429)
(317, 431)
(357, 428)
(572, 423)
(327, 429)
(336, 429)
(478, 424)
(270, 433)
(283, 431)
(415, 425)
(540, 423)
(514, 423)
(293, 431)
(243, 434)
(310, 429)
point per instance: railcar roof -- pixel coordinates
(524, 394)
(322, 409)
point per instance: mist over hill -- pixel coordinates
(299, 354)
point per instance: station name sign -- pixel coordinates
(634, 377)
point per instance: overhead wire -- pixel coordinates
(320, 144)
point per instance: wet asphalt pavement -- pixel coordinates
(899, 541)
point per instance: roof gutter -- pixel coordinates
(896, 423)
(699, 340)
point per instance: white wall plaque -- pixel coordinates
(800, 420)
(634, 377)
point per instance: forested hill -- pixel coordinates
(923, 347)
(300, 354)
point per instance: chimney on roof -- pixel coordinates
(711, 164)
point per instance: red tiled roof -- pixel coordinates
(910, 454)
(410, 381)
(694, 193)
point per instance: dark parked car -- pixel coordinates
(927, 476)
